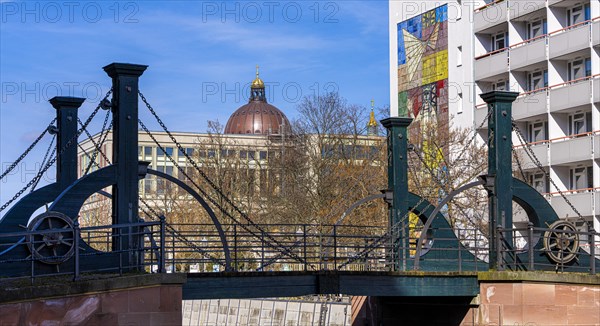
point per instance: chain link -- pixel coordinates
(50, 148)
(529, 151)
(15, 163)
(388, 234)
(179, 236)
(51, 162)
(97, 146)
(475, 133)
(279, 247)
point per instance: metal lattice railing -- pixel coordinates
(562, 248)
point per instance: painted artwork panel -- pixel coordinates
(423, 64)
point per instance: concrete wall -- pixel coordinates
(263, 312)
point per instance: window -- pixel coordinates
(188, 151)
(459, 56)
(538, 182)
(578, 14)
(537, 80)
(147, 153)
(537, 28)
(588, 67)
(499, 41)
(501, 85)
(537, 131)
(581, 178)
(459, 104)
(580, 123)
(579, 68)
(263, 155)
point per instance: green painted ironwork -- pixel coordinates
(125, 79)
(397, 142)
(499, 164)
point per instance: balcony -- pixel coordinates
(540, 150)
(492, 14)
(575, 148)
(569, 39)
(521, 8)
(581, 199)
(596, 32)
(570, 94)
(530, 104)
(553, 2)
(491, 64)
(528, 52)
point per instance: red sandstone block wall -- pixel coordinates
(157, 305)
(536, 304)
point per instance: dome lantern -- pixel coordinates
(257, 116)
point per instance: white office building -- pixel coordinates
(548, 50)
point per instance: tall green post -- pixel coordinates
(499, 166)
(125, 78)
(66, 120)
(397, 144)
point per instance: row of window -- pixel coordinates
(576, 69)
(146, 153)
(574, 15)
(578, 123)
(579, 178)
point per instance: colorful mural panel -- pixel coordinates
(423, 65)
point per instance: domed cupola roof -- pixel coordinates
(257, 117)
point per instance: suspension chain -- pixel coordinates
(179, 236)
(386, 236)
(531, 154)
(15, 163)
(475, 133)
(215, 187)
(50, 148)
(389, 233)
(518, 161)
(181, 170)
(51, 162)
(97, 146)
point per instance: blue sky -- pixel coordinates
(201, 57)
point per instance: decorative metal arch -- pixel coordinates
(433, 214)
(206, 207)
(73, 198)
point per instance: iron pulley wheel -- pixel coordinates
(561, 243)
(51, 238)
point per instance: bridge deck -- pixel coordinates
(289, 284)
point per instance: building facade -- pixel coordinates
(549, 51)
(247, 157)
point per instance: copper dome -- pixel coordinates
(258, 116)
